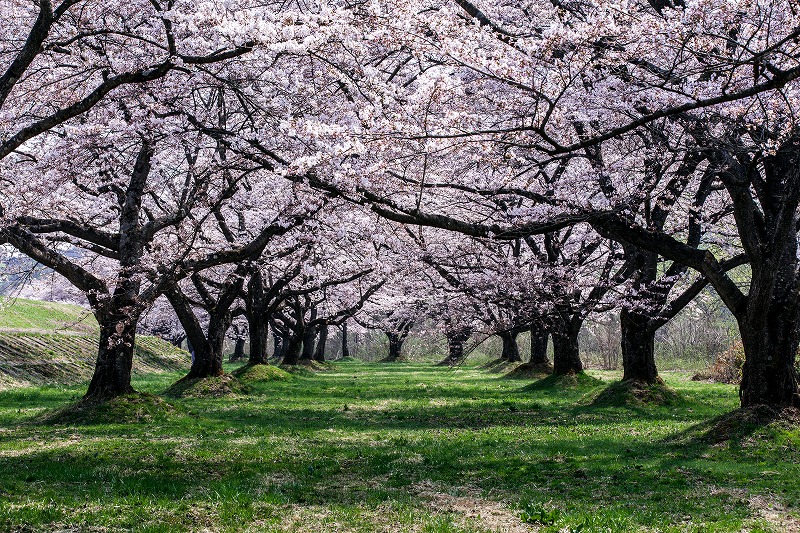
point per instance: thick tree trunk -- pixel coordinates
(638, 348)
(238, 350)
(395, 346)
(112, 372)
(208, 359)
(293, 345)
(510, 351)
(345, 347)
(319, 351)
(278, 344)
(309, 343)
(566, 355)
(455, 346)
(769, 330)
(539, 346)
(258, 327)
(259, 335)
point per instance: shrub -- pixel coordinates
(728, 366)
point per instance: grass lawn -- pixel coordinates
(406, 447)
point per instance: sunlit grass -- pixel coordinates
(410, 447)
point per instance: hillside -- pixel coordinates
(51, 343)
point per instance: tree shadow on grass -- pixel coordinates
(294, 444)
(738, 425)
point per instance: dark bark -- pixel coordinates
(208, 355)
(566, 354)
(395, 346)
(638, 347)
(118, 318)
(322, 341)
(257, 319)
(205, 362)
(177, 339)
(539, 337)
(293, 346)
(456, 338)
(769, 330)
(238, 350)
(259, 335)
(397, 335)
(510, 351)
(278, 343)
(112, 373)
(309, 343)
(345, 347)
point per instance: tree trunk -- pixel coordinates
(259, 335)
(238, 351)
(177, 339)
(638, 347)
(395, 346)
(208, 359)
(769, 330)
(566, 355)
(309, 339)
(278, 344)
(345, 347)
(293, 345)
(539, 338)
(112, 372)
(510, 348)
(258, 327)
(319, 351)
(455, 346)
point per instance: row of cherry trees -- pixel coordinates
(496, 168)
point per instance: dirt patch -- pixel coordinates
(126, 409)
(472, 509)
(223, 386)
(774, 511)
(530, 371)
(636, 394)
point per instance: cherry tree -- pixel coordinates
(524, 88)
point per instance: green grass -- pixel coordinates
(19, 313)
(411, 447)
(45, 343)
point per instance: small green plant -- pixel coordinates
(537, 513)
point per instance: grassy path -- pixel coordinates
(395, 448)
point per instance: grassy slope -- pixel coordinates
(396, 448)
(46, 342)
(34, 314)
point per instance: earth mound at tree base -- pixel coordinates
(530, 371)
(636, 394)
(401, 359)
(761, 420)
(577, 380)
(317, 366)
(126, 409)
(261, 373)
(222, 386)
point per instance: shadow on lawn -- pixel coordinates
(312, 441)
